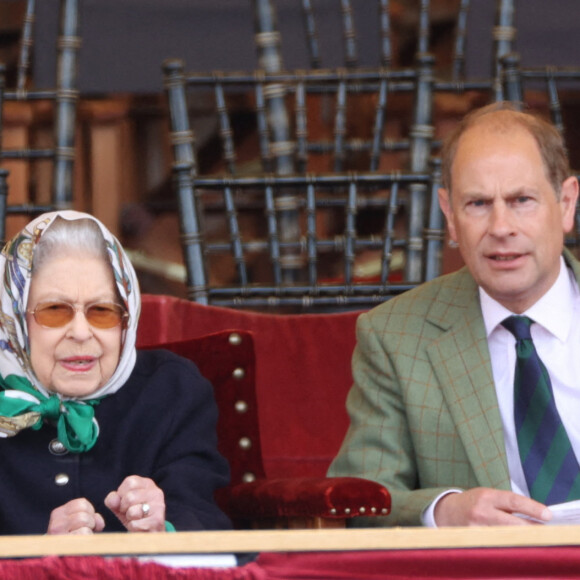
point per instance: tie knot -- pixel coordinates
(519, 326)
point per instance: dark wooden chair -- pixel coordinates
(371, 110)
(296, 121)
(340, 43)
(38, 123)
(432, 39)
(289, 227)
(386, 120)
(315, 34)
(341, 239)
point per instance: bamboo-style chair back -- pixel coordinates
(37, 126)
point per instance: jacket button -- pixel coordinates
(56, 447)
(61, 479)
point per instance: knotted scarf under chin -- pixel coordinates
(77, 429)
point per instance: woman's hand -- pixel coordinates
(78, 516)
(128, 502)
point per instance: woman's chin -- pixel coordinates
(75, 388)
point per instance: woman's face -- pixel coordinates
(76, 359)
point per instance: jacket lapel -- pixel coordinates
(460, 359)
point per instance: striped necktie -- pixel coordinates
(548, 460)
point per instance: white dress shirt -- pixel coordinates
(556, 336)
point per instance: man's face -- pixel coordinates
(505, 215)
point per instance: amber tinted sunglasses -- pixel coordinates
(98, 314)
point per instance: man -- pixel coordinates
(432, 406)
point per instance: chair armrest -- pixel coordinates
(309, 497)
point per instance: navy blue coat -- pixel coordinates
(160, 424)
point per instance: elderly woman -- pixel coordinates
(96, 435)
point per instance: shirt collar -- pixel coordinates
(552, 311)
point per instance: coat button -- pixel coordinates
(61, 479)
(56, 447)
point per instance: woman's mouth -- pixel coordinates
(78, 363)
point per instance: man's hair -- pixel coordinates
(503, 116)
(62, 237)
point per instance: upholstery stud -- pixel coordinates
(234, 339)
(347, 510)
(241, 406)
(239, 373)
(245, 443)
(248, 477)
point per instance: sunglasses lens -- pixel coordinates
(100, 315)
(105, 315)
(54, 314)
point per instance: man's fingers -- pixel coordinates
(486, 506)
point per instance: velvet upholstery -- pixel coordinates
(286, 366)
(227, 360)
(302, 370)
(336, 498)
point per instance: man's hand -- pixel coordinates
(483, 506)
(128, 501)
(77, 516)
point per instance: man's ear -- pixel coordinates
(568, 199)
(445, 204)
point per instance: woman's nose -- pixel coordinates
(79, 327)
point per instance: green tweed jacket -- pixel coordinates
(423, 408)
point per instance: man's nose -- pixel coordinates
(501, 220)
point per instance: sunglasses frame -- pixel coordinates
(84, 309)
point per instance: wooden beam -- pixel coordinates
(115, 544)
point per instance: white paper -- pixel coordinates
(567, 513)
(192, 560)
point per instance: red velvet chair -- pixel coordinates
(280, 383)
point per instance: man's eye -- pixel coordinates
(477, 203)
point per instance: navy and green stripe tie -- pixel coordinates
(550, 466)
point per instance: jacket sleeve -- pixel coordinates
(378, 444)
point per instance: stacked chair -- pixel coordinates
(39, 147)
(322, 200)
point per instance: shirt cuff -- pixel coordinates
(428, 516)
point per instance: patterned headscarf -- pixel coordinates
(24, 401)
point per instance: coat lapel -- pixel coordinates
(460, 359)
